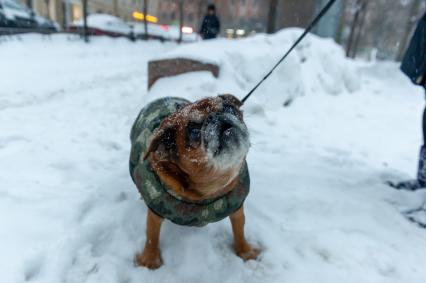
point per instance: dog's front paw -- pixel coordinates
(247, 252)
(150, 259)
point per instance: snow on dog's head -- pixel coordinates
(205, 141)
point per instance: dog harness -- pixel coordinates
(162, 200)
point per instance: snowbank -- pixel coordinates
(317, 65)
(318, 207)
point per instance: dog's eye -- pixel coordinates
(193, 134)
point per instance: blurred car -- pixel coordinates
(154, 31)
(14, 14)
(188, 34)
(3, 19)
(103, 24)
(47, 24)
(164, 32)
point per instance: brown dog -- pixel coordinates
(188, 162)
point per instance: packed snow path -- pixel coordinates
(318, 208)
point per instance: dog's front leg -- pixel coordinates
(242, 248)
(151, 256)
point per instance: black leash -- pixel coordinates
(307, 30)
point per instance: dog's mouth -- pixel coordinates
(225, 137)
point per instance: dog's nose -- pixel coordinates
(228, 133)
(222, 126)
(226, 125)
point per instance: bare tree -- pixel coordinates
(364, 10)
(47, 2)
(358, 6)
(85, 28)
(272, 16)
(383, 29)
(115, 8)
(145, 21)
(29, 3)
(181, 16)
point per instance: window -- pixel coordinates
(76, 12)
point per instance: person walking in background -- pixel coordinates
(414, 66)
(210, 27)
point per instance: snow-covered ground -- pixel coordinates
(318, 207)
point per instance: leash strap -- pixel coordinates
(307, 30)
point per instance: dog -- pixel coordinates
(188, 163)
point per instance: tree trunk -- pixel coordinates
(145, 22)
(180, 20)
(360, 27)
(85, 27)
(272, 16)
(353, 27)
(115, 8)
(410, 23)
(47, 2)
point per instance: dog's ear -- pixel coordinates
(230, 99)
(163, 141)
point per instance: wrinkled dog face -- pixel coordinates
(225, 136)
(204, 137)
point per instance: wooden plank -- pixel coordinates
(172, 67)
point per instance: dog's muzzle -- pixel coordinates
(224, 133)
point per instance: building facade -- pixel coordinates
(67, 11)
(247, 15)
(295, 13)
(244, 16)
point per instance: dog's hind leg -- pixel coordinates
(242, 248)
(151, 256)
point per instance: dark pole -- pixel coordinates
(47, 9)
(85, 27)
(145, 15)
(115, 8)
(272, 16)
(360, 28)
(180, 20)
(354, 24)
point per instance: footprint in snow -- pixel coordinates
(12, 141)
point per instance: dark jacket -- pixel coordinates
(414, 62)
(210, 27)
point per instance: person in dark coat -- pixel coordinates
(210, 27)
(414, 66)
